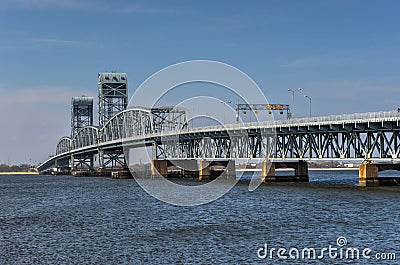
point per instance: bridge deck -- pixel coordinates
(352, 137)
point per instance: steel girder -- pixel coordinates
(86, 136)
(373, 140)
(64, 145)
(112, 159)
(82, 162)
(249, 144)
(169, 119)
(128, 123)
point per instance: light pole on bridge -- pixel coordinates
(293, 91)
(225, 103)
(310, 103)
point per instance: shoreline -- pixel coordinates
(19, 173)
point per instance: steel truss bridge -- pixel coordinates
(364, 136)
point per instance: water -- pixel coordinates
(67, 220)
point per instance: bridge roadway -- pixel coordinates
(367, 136)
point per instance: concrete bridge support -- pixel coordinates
(209, 170)
(369, 174)
(121, 174)
(174, 168)
(159, 168)
(268, 172)
(301, 171)
(204, 170)
(186, 168)
(230, 170)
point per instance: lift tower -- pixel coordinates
(113, 98)
(113, 95)
(81, 113)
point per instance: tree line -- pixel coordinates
(16, 168)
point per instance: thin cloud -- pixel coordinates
(33, 4)
(62, 42)
(383, 85)
(311, 62)
(13, 42)
(147, 9)
(37, 95)
(90, 6)
(55, 41)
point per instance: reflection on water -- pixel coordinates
(67, 220)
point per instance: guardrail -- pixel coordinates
(349, 118)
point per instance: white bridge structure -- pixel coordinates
(373, 139)
(368, 136)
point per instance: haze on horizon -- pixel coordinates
(344, 54)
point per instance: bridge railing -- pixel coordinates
(357, 117)
(343, 118)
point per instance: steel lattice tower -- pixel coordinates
(113, 95)
(81, 113)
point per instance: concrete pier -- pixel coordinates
(204, 170)
(186, 168)
(159, 168)
(81, 173)
(209, 170)
(121, 174)
(230, 170)
(174, 168)
(268, 172)
(301, 171)
(368, 175)
(61, 171)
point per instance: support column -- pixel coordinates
(101, 158)
(189, 168)
(72, 162)
(368, 174)
(230, 170)
(268, 171)
(159, 167)
(204, 170)
(301, 171)
(91, 163)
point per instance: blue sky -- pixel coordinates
(344, 54)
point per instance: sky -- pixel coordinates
(343, 54)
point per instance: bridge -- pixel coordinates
(372, 139)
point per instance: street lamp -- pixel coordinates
(223, 102)
(310, 103)
(293, 91)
